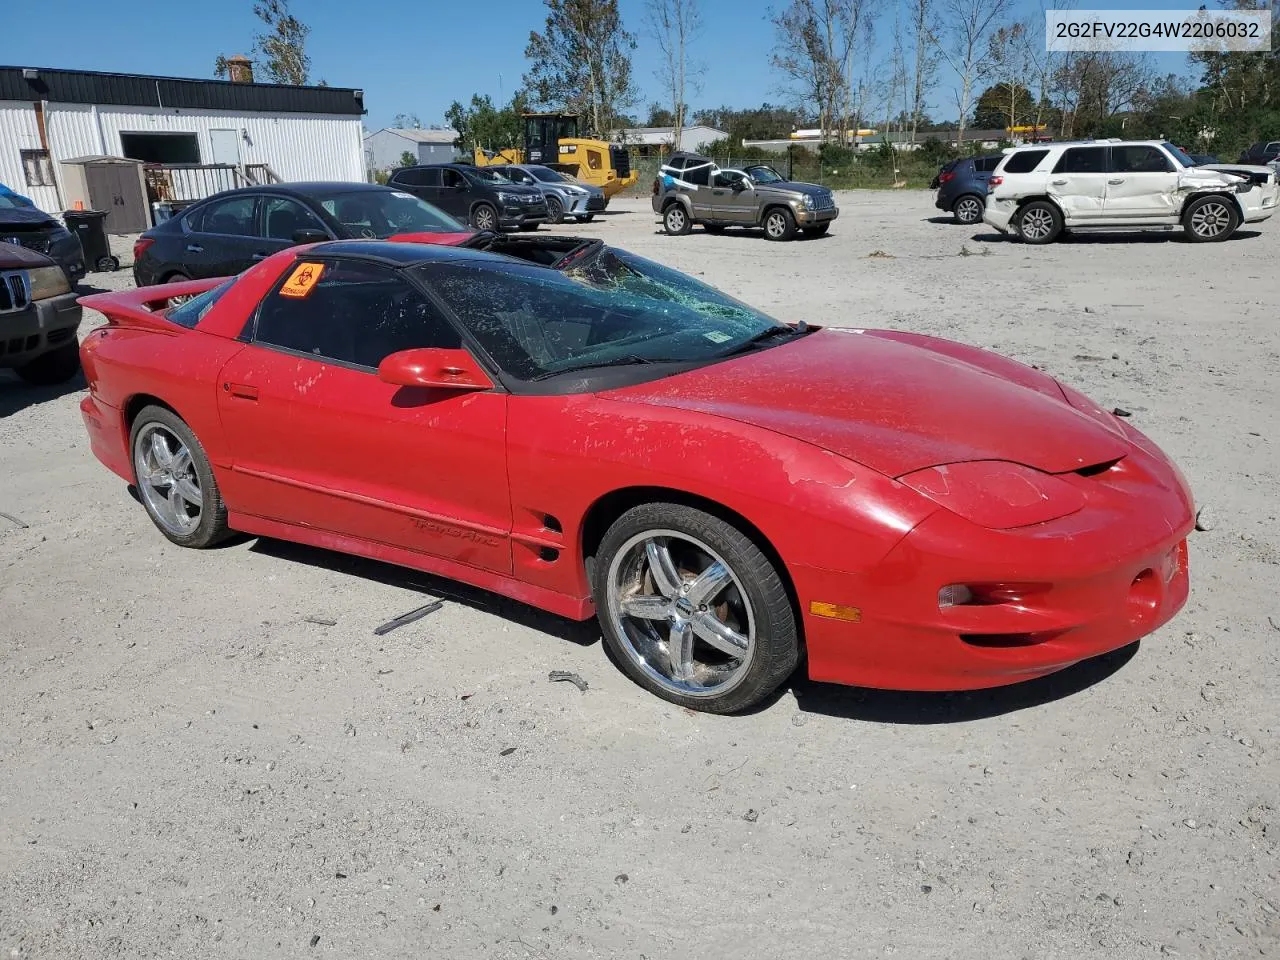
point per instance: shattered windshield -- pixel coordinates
(763, 173)
(619, 309)
(485, 175)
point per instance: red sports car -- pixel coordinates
(592, 433)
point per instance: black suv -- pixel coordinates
(1261, 153)
(962, 187)
(480, 196)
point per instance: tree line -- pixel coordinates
(836, 72)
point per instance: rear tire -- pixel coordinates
(1039, 222)
(968, 209)
(1210, 220)
(187, 469)
(751, 607)
(55, 366)
(177, 278)
(779, 224)
(675, 221)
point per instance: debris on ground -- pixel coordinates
(880, 255)
(621, 879)
(1206, 519)
(14, 520)
(409, 617)
(507, 752)
(1121, 412)
(315, 938)
(751, 816)
(1087, 356)
(321, 621)
(557, 675)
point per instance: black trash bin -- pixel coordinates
(91, 228)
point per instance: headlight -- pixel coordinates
(806, 201)
(995, 494)
(508, 197)
(47, 282)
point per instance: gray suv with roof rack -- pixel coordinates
(691, 189)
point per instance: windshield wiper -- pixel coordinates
(622, 361)
(769, 333)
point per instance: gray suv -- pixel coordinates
(691, 189)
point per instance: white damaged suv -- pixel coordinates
(1039, 190)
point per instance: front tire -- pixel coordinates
(54, 366)
(484, 217)
(175, 481)
(1039, 222)
(968, 210)
(555, 210)
(1210, 220)
(692, 610)
(676, 221)
(779, 224)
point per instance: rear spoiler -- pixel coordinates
(140, 306)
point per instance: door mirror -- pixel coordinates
(738, 185)
(310, 236)
(434, 367)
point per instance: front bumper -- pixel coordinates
(596, 202)
(43, 326)
(809, 218)
(1096, 580)
(522, 214)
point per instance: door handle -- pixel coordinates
(1115, 182)
(1059, 183)
(194, 248)
(244, 391)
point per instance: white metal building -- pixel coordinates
(692, 139)
(383, 150)
(49, 116)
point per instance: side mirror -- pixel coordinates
(739, 186)
(310, 236)
(434, 367)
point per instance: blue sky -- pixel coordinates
(419, 55)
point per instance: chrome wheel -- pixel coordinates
(681, 612)
(167, 479)
(1037, 224)
(968, 210)
(1210, 219)
(484, 218)
(776, 225)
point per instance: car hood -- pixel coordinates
(14, 257)
(893, 402)
(793, 186)
(25, 218)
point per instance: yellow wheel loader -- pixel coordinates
(551, 139)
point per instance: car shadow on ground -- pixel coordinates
(899, 707)
(942, 218)
(16, 394)
(748, 233)
(584, 633)
(1148, 236)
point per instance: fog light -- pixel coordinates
(954, 595)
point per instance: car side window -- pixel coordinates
(986, 164)
(519, 176)
(1139, 158)
(355, 312)
(282, 218)
(1024, 161)
(410, 177)
(726, 178)
(231, 217)
(700, 176)
(451, 178)
(1082, 160)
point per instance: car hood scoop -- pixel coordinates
(894, 402)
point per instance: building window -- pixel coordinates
(38, 168)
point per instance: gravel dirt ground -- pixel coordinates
(191, 767)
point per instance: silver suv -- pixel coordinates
(1038, 191)
(691, 189)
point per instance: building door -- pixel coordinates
(226, 146)
(114, 188)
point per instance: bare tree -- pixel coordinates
(968, 25)
(673, 25)
(1009, 63)
(924, 59)
(816, 42)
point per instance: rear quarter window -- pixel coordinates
(1024, 161)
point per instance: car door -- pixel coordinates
(223, 238)
(730, 205)
(1079, 182)
(699, 190)
(319, 440)
(454, 194)
(1142, 182)
(279, 219)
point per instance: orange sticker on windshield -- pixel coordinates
(300, 282)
